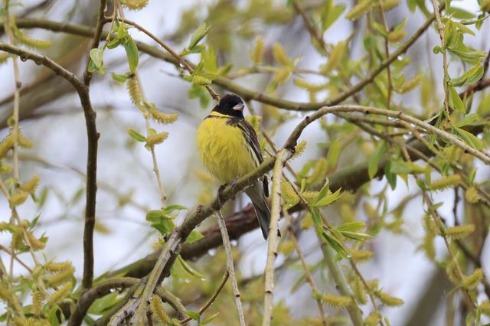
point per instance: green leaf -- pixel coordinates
(96, 63)
(120, 78)
(103, 304)
(170, 210)
(470, 119)
(326, 199)
(351, 226)
(97, 56)
(315, 216)
(196, 91)
(193, 314)
(161, 220)
(115, 42)
(210, 319)
(131, 53)
(375, 158)
(469, 56)
(136, 135)
(470, 139)
(459, 13)
(331, 14)
(469, 77)
(390, 176)
(189, 269)
(198, 35)
(455, 101)
(400, 167)
(194, 236)
(335, 244)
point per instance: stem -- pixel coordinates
(282, 156)
(230, 267)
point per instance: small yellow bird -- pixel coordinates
(229, 149)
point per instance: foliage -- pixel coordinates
(397, 135)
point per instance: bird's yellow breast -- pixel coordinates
(223, 148)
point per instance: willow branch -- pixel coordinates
(88, 297)
(231, 268)
(485, 158)
(228, 84)
(92, 137)
(91, 194)
(282, 156)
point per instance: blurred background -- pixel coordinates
(52, 118)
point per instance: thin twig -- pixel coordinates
(309, 277)
(440, 30)
(230, 267)
(212, 298)
(174, 54)
(282, 156)
(92, 141)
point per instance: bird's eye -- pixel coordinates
(239, 107)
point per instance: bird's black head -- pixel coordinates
(230, 104)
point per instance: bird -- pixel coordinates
(229, 149)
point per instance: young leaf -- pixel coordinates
(376, 158)
(455, 101)
(469, 138)
(131, 52)
(198, 35)
(136, 135)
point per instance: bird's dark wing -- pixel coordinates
(251, 137)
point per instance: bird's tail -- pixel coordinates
(257, 196)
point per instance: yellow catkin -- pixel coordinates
(470, 282)
(336, 300)
(299, 149)
(37, 322)
(360, 9)
(459, 231)
(453, 273)
(135, 91)
(156, 139)
(280, 55)
(34, 242)
(24, 141)
(258, 50)
(135, 4)
(359, 291)
(472, 195)
(288, 194)
(18, 198)
(161, 117)
(37, 302)
(446, 182)
(156, 306)
(27, 40)
(396, 36)
(389, 4)
(57, 267)
(373, 319)
(361, 255)
(200, 80)
(301, 83)
(31, 185)
(6, 145)
(409, 85)
(485, 307)
(61, 293)
(60, 276)
(388, 299)
(3, 57)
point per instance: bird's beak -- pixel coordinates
(239, 107)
